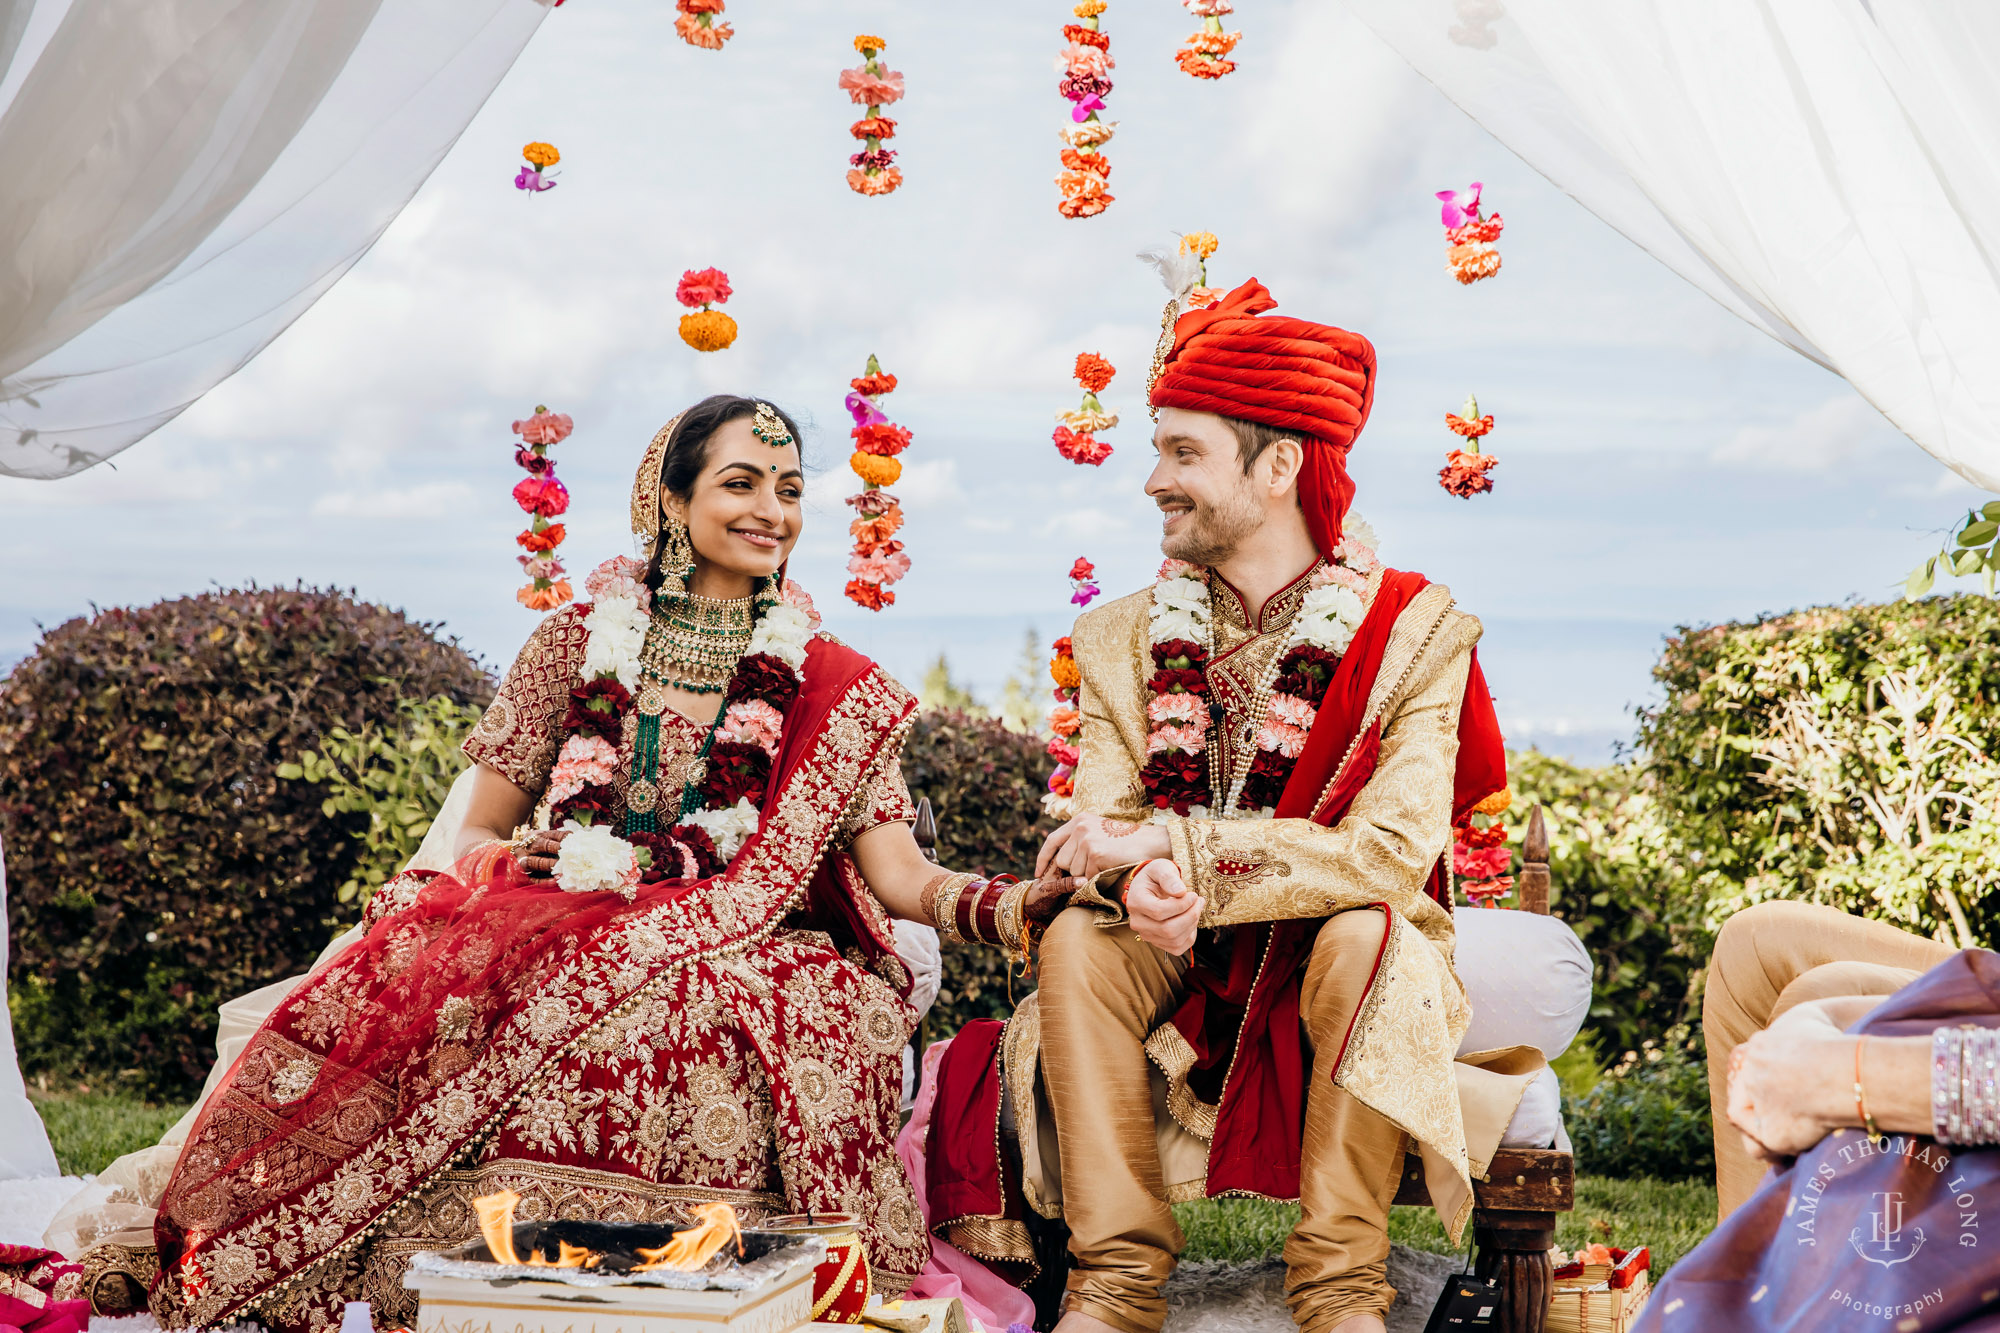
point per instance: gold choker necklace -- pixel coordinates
(694, 643)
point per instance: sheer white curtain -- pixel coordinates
(181, 179)
(1827, 169)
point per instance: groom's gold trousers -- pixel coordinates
(1103, 990)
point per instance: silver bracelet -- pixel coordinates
(1981, 1048)
(1947, 1058)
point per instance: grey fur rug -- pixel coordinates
(1250, 1298)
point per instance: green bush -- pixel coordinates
(1843, 755)
(396, 776)
(985, 785)
(1648, 1115)
(1618, 877)
(158, 862)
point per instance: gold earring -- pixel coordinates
(676, 557)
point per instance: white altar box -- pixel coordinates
(466, 1305)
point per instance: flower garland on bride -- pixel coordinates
(717, 812)
(1177, 773)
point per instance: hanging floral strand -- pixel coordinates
(698, 25)
(1076, 438)
(705, 328)
(1201, 247)
(1085, 65)
(1067, 724)
(543, 497)
(541, 156)
(1479, 856)
(1083, 582)
(1464, 471)
(878, 558)
(1469, 249)
(872, 85)
(1205, 53)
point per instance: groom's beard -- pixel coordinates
(1211, 533)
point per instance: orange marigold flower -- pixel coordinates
(1464, 474)
(1094, 164)
(708, 37)
(1093, 372)
(1064, 671)
(1089, 9)
(1201, 66)
(1082, 36)
(707, 330)
(867, 42)
(1471, 430)
(872, 183)
(1496, 804)
(542, 155)
(1200, 244)
(556, 594)
(873, 127)
(872, 385)
(875, 471)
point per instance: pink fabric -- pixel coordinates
(29, 1278)
(988, 1297)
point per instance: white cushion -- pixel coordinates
(1538, 1119)
(1527, 976)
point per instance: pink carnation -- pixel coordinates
(1292, 711)
(1170, 568)
(540, 566)
(545, 428)
(754, 722)
(1082, 61)
(1186, 708)
(1062, 752)
(1353, 580)
(584, 761)
(869, 89)
(1480, 862)
(884, 567)
(703, 286)
(543, 495)
(1281, 739)
(1190, 739)
(618, 577)
(798, 598)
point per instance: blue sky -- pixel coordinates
(1662, 463)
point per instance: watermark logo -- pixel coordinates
(1928, 1208)
(1887, 1244)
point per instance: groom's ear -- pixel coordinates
(1283, 459)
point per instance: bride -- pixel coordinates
(682, 988)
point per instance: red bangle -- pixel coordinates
(988, 914)
(1131, 875)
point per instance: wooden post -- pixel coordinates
(1533, 884)
(925, 831)
(1514, 1255)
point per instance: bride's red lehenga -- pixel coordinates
(738, 1038)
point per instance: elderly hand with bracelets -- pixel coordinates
(1803, 1077)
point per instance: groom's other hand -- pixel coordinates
(1162, 910)
(1088, 845)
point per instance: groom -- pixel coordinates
(1276, 741)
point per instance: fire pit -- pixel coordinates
(553, 1277)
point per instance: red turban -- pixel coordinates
(1291, 374)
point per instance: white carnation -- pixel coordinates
(1357, 529)
(1175, 625)
(730, 828)
(617, 628)
(783, 631)
(1182, 593)
(593, 859)
(1058, 807)
(1331, 601)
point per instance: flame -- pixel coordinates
(690, 1249)
(496, 1225)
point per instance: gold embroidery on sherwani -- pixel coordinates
(1240, 663)
(1399, 1060)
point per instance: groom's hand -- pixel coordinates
(1090, 844)
(1163, 911)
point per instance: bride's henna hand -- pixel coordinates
(1047, 898)
(540, 858)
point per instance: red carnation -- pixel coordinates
(547, 539)
(762, 676)
(1083, 36)
(544, 495)
(1305, 672)
(1064, 646)
(598, 706)
(1080, 446)
(1480, 862)
(707, 860)
(1265, 782)
(1076, 87)
(884, 439)
(535, 463)
(664, 851)
(1187, 680)
(703, 286)
(1176, 780)
(735, 770)
(1178, 650)
(1464, 474)
(597, 800)
(869, 596)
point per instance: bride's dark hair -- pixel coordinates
(687, 453)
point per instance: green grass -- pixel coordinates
(1669, 1216)
(90, 1129)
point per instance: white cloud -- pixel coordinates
(396, 502)
(1819, 439)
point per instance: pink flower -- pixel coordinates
(527, 178)
(1063, 752)
(545, 428)
(1060, 776)
(1191, 739)
(1082, 569)
(584, 760)
(1281, 739)
(544, 495)
(1480, 862)
(541, 566)
(872, 89)
(885, 567)
(618, 577)
(865, 412)
(1183, 708)
(1460, 206)
(1209, 8)
(702, 286)
(796, 597)
(754, 722)
(1345, 577)
(1170, 568)
(1292, 711)
(1084, 591)
(1084, 61)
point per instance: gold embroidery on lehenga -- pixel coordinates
(454, 1018)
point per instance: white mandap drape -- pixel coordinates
(181, 179)
(1827, 169)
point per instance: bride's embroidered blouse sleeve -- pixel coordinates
(883, 798)
(522, 728)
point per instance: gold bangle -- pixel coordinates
(1861, 1097)
(1011, 919)
(943, 905)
